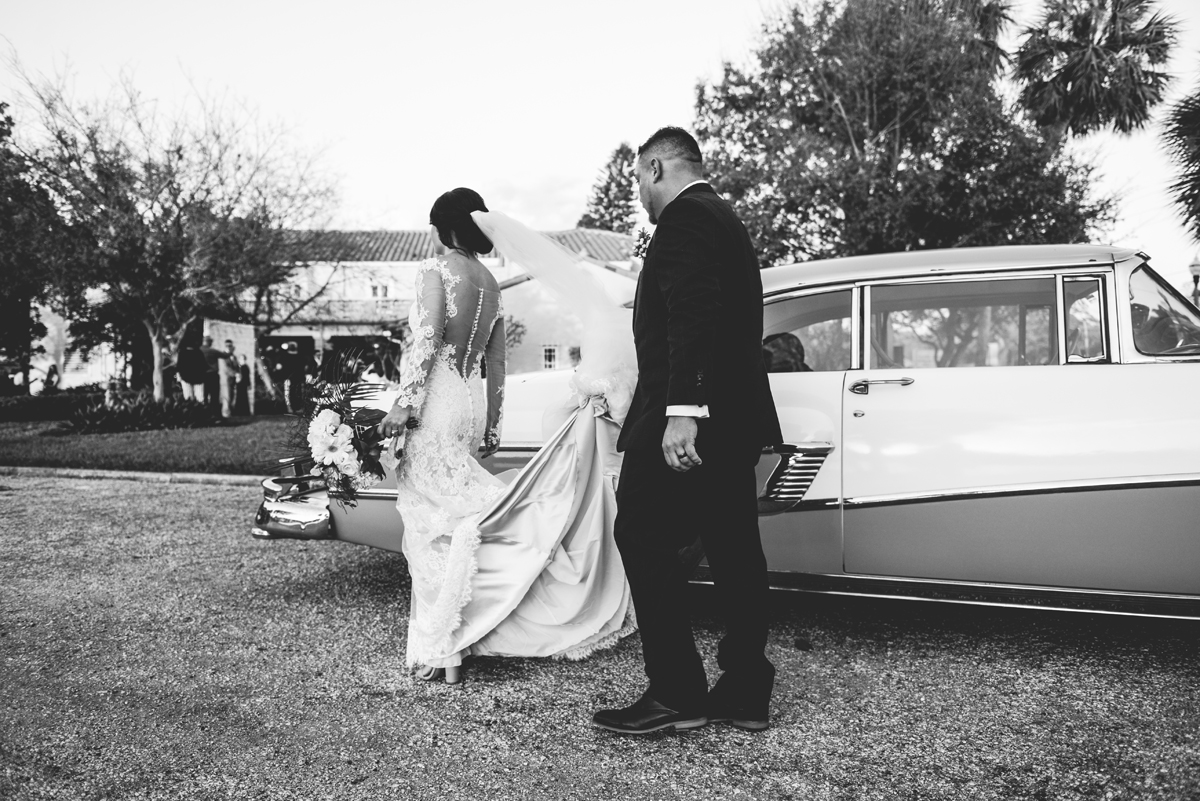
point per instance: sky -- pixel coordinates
(522, 100)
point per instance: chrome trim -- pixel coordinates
(976, 602)
(875, 586)
(372, 494)
(277, 487)
(863, 344)
(1114, 317)
(799, 292)
(1036, 488)
(1005, 275)
(1060, 314)
(856, 328)
(997, 585)
(791, 478)
(959, 273)
(1105, 339)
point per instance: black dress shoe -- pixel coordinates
(645, 716)
(740, 716)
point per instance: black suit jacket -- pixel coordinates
(697, 326)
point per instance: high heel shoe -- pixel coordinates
(452, 675)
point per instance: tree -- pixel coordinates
(36, 240)
(611, 206)
(874, 125)
(1090, 64)
(514, 333)
(186, 215)
(1181, 135)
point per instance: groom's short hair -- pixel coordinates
(672, 143)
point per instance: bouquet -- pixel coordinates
(344, 438)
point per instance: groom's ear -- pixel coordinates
(656, 170)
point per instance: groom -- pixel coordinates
(701, 414)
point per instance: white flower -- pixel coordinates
(320, 431)
(327, 446)
(348, 464)
(326, 421)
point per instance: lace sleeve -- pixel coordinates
(495, 356)
(429, 326)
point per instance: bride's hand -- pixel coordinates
(491, 444)
(395, 421)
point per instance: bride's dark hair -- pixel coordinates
(451, 216)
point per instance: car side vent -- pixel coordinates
(791, 478)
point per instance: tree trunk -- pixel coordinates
(25, 342)
(156, 354)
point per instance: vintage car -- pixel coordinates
(1012, 425)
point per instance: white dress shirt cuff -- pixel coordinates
(687, 411)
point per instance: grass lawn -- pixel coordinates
(152, 650)
(246, 445)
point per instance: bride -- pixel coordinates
(527, 568)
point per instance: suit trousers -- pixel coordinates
(660, 511)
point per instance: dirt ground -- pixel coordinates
(151, 649)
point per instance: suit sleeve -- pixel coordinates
(686, 272)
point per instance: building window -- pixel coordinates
(574, 355)
(379, 291)
(549, 357)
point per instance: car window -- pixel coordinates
(1084, 300)
(810, 333)
(1164, 324)
(989, 323)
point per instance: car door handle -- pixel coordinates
(863, 386)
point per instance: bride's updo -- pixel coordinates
(451, 216)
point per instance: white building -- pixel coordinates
(370, 286)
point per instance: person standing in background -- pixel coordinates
(241, 403)
(212, 373)
(228, 372)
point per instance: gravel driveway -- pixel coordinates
(149, 648)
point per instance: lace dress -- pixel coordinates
(528, 568)
(442, 489)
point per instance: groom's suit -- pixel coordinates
(698, 331)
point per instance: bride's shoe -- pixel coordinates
(430, 673)
(452, 675)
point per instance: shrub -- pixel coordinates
(265, 404)
(95, 388)
(57, 406)
(141, 413)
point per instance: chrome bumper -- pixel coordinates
(295, 505)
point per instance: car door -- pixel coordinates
(808, 347)
(991, 438)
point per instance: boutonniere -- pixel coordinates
(641, 244)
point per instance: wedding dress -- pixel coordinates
(526, 568)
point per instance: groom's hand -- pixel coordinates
(679, 444)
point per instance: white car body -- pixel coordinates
(1061, 468)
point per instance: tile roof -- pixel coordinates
(600, 245)
(412, 246)
(385, 246)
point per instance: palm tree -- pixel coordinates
(1094, 63)
(1181, 135)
